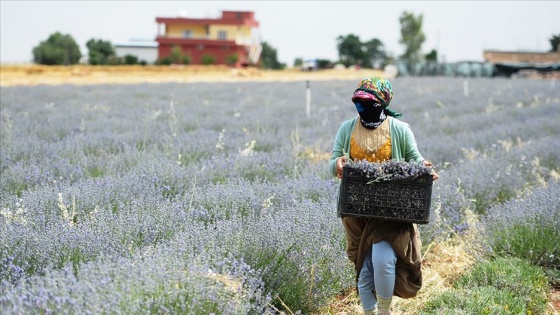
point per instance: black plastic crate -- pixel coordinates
(395, 200)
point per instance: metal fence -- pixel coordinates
(477, 69)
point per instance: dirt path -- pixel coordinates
(13, 75)
(555, 301)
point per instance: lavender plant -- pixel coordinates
(222, 187)
(500, 286)
(527, 229)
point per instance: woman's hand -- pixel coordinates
(339, 164)
(427, 163)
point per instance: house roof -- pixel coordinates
(245, 18)
(138, 44)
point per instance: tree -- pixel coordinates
(412, 37)
(324, 64)
(554, 42)
(58, 49)
(375, 55)
(269, 58)
(432, 55)
(350, 50)
(99, 51)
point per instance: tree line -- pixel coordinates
(61, 49)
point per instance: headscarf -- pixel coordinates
(376, 89)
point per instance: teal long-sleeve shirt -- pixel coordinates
(403, 143)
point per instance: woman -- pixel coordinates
(386, 254)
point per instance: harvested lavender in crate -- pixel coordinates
(392, 190)
(389, 170)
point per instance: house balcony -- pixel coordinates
(203, 40)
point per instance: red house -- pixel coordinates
(231, 39)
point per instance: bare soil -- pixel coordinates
(555, 301)
(13, 75)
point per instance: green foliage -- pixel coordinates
(269, 58)
(165, 61)
(324, 64)
(432, 55)
(130, 60)
(536, 241)
(352, 51)
(232, 59)
(526, 281)
(176, 55)
(412, 37)
(298, 62)
(501, 286)
(58, 49)
(526, 229)
(207, 59)
(481, 300)
(375, 55)
(282, 277)
(554, 43)
(99, 51)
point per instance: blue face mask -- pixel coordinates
(371, 114)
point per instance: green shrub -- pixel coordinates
(130, 60)
(232, 59)
(58, 49)
(186, 59)
(538, 245)
(165, 61)
(99, 51)
(526, 229)
(481, 300)
(207, 60)
(176, 54)
(501, 286)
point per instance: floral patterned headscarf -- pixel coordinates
(376, 89)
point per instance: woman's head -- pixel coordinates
(372, 97)
(375, 89)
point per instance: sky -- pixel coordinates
(458, 30)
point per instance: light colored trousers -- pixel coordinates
(378, 273)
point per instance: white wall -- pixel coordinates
(149, 54)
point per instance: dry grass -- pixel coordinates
(13, 75)
(443, 263)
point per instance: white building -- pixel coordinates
(146, 50)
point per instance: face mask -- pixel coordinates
(371, 114)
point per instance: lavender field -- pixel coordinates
(215, 198)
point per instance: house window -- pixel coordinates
(222, 35)
(187, 34)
